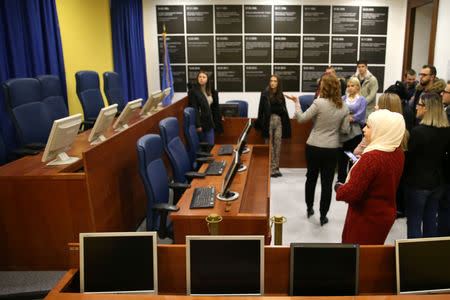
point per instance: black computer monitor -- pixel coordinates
(229, 109)
(243, 138)
(225, 265)
(118, 262)
(226, 194)
(423, 265)
(324, 269)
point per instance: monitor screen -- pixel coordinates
(118, 262)
(104, 120)
(151, 103)
(126, 114)
(423, 265)
(225, 265)
(63, 133)
(229, 109)
(324, 269)
(225, 193)
(243, 137)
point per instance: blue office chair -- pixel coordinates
(112, 86)
(174, 148)
(306, 101)
(52, 96)
(28, 113)
(242, 106)
(3, 154)
(154, 177)
(88, 91)
(196, 154)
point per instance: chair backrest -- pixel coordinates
(52, 96)
(88, 91)
(306, 101)
(3, 155)
(174, 148)
(190, 135)
(153, 174)
(112, 86)
(28, 113)
(243, 107)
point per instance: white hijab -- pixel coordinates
(388, 129)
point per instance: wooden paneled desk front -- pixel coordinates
(248, 214)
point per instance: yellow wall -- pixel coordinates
(85, 27)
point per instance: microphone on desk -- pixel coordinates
(278, 220)
(212, 221)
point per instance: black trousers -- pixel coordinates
(321, 160)
(343, 160)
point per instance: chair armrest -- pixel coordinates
(165, 207)
(206, 146)
(191, 175)
(179, 185)
(204, 160)
(35, 146)
(203, 154)
(87, 124)
(22, 152)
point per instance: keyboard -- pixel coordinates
(216, 168)
(226, 150)
(203, 197)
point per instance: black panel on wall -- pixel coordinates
(257, 49)
(345, 19)
(228, 18)
(290, 76)
(171, 16)
(199, 18)
(229, 49)
(200, 49)
(344, 49)
(287, 18)
(373, 49)
(175, 45)
(374, 20)
(316, 49)
(258, 18)
(286, 49)
(316, 19)
(179, 78)
(229, 78)
(256, 77)
(193, 71)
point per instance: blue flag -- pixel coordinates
(167, 79)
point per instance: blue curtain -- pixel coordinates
(30, 45)
(128, 47)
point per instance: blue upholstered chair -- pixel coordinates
(88, 91)
(112, 86)
(243, 107)
(306, 101)
(52, 96)
(28, 113)
(3, 154)
(193, 145)
(156, 183)
(174, 148)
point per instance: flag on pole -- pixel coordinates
(167, 79)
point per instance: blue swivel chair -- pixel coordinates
(306, 101)
(112, 86)
(156, 183)
(174, 148)
(196, 156)
(242, 106)
(52, 96)
(88, 91)
(3, 155)
(28, 113)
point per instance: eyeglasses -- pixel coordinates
(420, 104)
(423, 74)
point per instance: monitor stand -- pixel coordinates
(121, 128)
(246, 150)
(98, 140)
(242, 168)
(62, 159)
(230, 196)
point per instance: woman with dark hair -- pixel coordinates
(424, 170)
(205, 100)
(273, 120)
(330, 116)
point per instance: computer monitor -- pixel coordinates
(229, 109)
(63, 133)
(225, 193)
(225, 265)
(119, 262)
(151, 103)
(104, 120)
(423, 265)
(243, 138)
(324, 269)
(165, 93)
(126, 114)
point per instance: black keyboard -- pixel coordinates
(226, 150)
(203, 197)
(216, 168)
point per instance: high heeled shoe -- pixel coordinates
(323, 221)
(309, 212)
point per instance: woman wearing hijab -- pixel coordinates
(372, 182)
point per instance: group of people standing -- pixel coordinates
(382, 181)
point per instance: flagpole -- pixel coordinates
(165, 58)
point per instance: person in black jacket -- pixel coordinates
(273, 120)
(205, 100)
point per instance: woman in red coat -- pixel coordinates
(372, 183)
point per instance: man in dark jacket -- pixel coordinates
(429, 83)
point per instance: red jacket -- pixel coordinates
(370, 193)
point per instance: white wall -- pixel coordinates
(422, 28)
(442, 46)
(394, 43)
